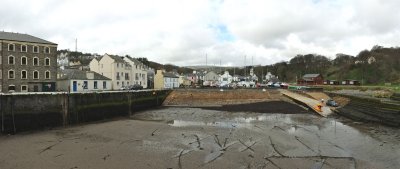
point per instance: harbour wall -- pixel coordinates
(23, 112)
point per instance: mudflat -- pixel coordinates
(184, 137)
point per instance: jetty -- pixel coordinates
(314, 104)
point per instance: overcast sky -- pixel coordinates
(183, 32)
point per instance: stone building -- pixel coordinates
(27, 63)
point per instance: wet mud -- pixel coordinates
(262, 107)
(268, 134)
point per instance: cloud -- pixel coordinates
(184, 32)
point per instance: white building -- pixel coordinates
(139, 71)
(225, 78)
(115, 68)
(75, 80)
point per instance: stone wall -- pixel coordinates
(370, 110)
(22, 112)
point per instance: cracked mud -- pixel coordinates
(181, 137)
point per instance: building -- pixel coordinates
(269, 76)
(211, 79)
(225, 78)
(139, 71)
(311, 79)
(165, 80)
(113, 67)
(183, 81)
(27, 63)
(211, 76)
(75, 80)
(350, 82)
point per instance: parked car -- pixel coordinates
(332, 103)
(135, 87)
(124, 88)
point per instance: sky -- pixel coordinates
(212, 32)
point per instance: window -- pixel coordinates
(104, 85)
(24, 88)
(126, 76)
(11, 74)
(47, 62)
(35, 49)
(85, 85)
(47, 75)
(24, 60)
(11, 47)
(11, 60)
(46, 50)
(1, 75)
(35, 74)
(11, 88)
(95, 85)
(35, 61)
(123, 84)
(117, 83)
(24, 48)
(117, 64)
(24, 74)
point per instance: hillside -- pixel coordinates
(376, 66)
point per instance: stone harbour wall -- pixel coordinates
(23, 112)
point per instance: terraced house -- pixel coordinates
(113, 67)
(27, 63)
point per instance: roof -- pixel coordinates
(23, 38)
(118, 59)
(137, 62)
(311, 75)
(77, 74)
(168, 74)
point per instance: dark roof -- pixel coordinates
(77, 74)
(168, 74)
(23, 38)
(137, 62)
(118, 59)
(310, 75)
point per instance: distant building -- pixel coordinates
(27, 63)
(75, 80)
(225, 78)
(331, 82)
(211, 76)
(165, 80)
(115, 68)
(311, 79)
(351, 82)
(269, 76)
(183, 81)
(139, 71)
(371, 60)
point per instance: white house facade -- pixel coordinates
(225, 78)
(75, 80)
(138, 72)
(113, 67)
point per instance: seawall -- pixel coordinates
(370, 110)
(22, 112)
